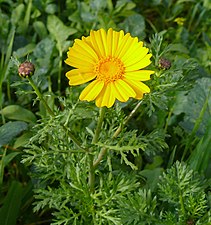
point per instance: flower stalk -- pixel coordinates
(117, 132)
(92, 167)
(38, 93)
(40, 96)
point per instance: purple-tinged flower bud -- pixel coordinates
(164, 63)
(26, 69)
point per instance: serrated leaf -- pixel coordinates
(98, 5)
(176, 48)
(40, 28)
(85, 13)
(124, 5)
(11, 206)
(122, 148)
(58, 30)
(16, 112)
(134, 24)
(26, 50)
(191, 104)
(10, 130)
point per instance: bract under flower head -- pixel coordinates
(113, 62)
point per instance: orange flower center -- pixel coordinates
(109, 69)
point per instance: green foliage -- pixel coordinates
(10, 130)
(182, 190)
(11, 205)
(16, 112)
(138, 208)
(45, 160)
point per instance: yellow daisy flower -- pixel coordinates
(111, 61)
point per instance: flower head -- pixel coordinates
(180, 21)
(111, 61)
(164, 63)
(26, 69)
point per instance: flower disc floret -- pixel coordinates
(112, 62)
(109, 69)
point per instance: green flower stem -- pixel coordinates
(38, 93)
(74, 139)
(100, 157)
(99, 125)
(117, 132)
(91, 174)
(182, 204)
(91, 156)
(94, 164)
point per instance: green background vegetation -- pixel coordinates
(157, 170)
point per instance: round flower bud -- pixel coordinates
(26, 69)
(164, 63)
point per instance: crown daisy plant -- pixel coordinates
(113, 63)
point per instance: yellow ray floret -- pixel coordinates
(112, 62)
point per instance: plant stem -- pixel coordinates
(73, 138)
(91, 174)
(99, 125)
(182, 204)
(117, 132)
(38, 93)
(100, 157)
(91, 156)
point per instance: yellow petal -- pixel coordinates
(106, 97)
(97, 42)
(103, 37)
(82, 46)
(139, 75)
(122, 91)
(127, 49)
(77, 63)
(110, 41)
(134, 49)
(139, 87)
(77, 77)
(118, 94)
(125, 44)
(139, 65)
(81, 55)
(116, 41)
(92, 90)
(136, 57)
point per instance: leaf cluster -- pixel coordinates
(172, 122)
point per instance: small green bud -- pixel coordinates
(26, 69)
(164, 63)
